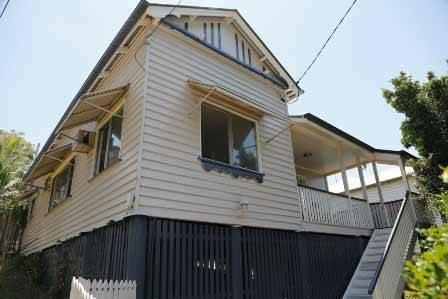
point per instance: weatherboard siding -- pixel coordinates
(96, 200)
(173, 183)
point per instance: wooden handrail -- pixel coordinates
(329, 192)
(386, 202)
(374, 281)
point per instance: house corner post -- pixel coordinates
(136, 253)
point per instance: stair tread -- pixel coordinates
(361, 283)
(358, 291)
(358, 297)
(358, 287)
(372, 258)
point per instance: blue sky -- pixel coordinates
(47, 49)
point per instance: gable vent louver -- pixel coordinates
(113, 62)
(133, 35)
(97, 84)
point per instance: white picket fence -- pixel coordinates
(85, 289)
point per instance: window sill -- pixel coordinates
(59, 205)
(105, 170)
(209, 165)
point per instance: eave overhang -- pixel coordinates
(133, 19)
(379, 154)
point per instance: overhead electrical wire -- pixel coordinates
(4, 8)
(326, 42)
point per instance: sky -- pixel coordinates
(48, 48)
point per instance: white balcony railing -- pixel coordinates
(319, 206)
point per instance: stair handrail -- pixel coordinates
(390, 240)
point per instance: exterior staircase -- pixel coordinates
(378, 275)
(365, 272)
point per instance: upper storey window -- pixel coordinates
(109, 143)
(62, 185)
(228, 138)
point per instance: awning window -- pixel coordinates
(50, 160)
(229, 98)
(92, 105)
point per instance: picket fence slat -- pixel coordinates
(102, 289)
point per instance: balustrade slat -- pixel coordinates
(320, 206)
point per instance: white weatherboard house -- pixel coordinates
(176, 166)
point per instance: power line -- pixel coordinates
(151, 33)
(326, 42)
(4, 8)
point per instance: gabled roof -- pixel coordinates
(156, 10)
(320, 122)
(161, 11)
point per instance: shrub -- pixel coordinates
(21, 277)
(427, 273)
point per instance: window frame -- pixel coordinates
(105, 120)
(230, 141)
(69, 162)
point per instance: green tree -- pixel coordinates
(16, 155)
(427, 274)
(425, 106)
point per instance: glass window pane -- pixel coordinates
(215, 134)
(244, 152)
(115, 140)
(61, 186)
(102, 143)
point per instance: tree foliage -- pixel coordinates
(425, 106)
(427, 274)
(15, 156)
